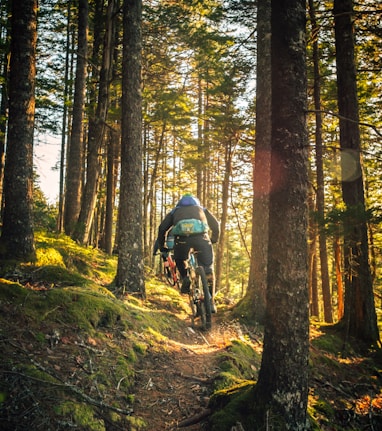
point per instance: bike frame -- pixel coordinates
(200, 298)
(169, 269)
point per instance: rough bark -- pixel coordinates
(111, 181)
(256, 291)
(230, 147)
(283, 376)
(313, 285)
(65, 116)
(17, 240)
(130, 271)
(4, 64)
(75, 160)
(325, 282)
(96, 133)
(359, 313)
(339, 272)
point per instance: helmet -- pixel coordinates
(188, 200)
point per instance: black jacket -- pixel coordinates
(188, 212)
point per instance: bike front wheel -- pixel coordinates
(171, 275)
(205, 300)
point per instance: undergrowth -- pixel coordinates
(70, 351)
(69, 346)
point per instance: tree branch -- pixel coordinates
(341, 117)
(72, 388)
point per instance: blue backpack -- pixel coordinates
(189, 227)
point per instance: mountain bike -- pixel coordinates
(170, 270)
(199, 295)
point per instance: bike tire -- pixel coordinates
(205, 304)
(193, 297)
(194, 311)
(171, 278)
(168, 276)
(177, 278)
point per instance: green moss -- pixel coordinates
(130, 398)
(140, 348)
(323, 407)
(136, 424)
(49, 256)
(86, 261)
(89, 309)
(11, 291)
(131, 355)
(320, 413)
(239, 362)
(40, 337)
(241, 405)
(59, 276)
(155, 335)
(233, 399)
(36, 372)
(329, 343)
(82, 416)
(102, 336)
(231, 406)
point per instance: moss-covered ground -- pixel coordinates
(74, 356)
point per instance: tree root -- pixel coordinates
(192, 420)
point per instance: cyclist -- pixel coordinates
(190, 224)
(168, 245)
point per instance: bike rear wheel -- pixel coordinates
(205, 301)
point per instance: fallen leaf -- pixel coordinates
(92, 341)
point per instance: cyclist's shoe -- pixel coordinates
(185, 285)
(213, 307)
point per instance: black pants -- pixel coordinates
(201, 244)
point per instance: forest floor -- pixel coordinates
(73, 356)
(174, 385)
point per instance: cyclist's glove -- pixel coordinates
(214, 239)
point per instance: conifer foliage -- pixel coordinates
(225, 100)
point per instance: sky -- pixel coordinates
(47, 151)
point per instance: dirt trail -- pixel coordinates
(173, 386)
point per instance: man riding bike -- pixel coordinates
(190, 224)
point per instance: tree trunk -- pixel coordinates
(97, 131)
(200, 142)
(338, 268)
(313, 288)
(17, 237)
(130, 271)
(229, 152)
(325, 282)
(359, 313)
(256, 291)
(111, 181)
(5, 41)
(154, 168)
(75, 160)
(65, 116)
(283, 376)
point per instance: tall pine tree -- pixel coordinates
(17, 238)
